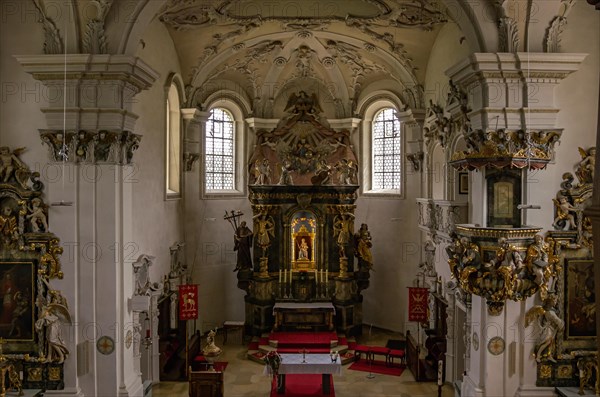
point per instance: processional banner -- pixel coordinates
(188, 302)
(417, 304)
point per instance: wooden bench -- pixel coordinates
(379, 350)
(232, 325)
(400, 353)
(360, 349)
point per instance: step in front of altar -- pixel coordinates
(303, 340)
(320, 342)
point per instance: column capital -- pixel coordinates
(194, 115)
(513, 90)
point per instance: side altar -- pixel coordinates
(303, 184)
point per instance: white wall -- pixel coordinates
(157, 222)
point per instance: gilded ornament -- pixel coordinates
(34, 374)
(545, 371)
(54, 373)
(565, 371)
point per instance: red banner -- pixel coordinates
(417, 304)
(188, 302)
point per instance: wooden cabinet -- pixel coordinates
(206, 384)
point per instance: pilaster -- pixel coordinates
(89, 134)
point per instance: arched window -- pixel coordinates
(386, 151)
(173, 143)
(219, 163)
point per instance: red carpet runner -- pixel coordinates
(302, 386)
(378, 367)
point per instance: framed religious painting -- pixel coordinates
(463, 183)
(18, 294)
(577, 304)
(580, 299)
(503, 197)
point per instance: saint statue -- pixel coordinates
(243, 242)
(303, 250)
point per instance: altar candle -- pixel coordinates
(326, 275)
(284, 275)
(440, 370)
(279, 276)
(291, 277)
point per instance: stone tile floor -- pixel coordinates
(244, 378)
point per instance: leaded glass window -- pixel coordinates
(386, 151)
(219, 160)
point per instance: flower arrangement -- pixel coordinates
(273, 359)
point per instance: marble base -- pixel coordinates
(573, 392)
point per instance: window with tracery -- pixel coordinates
(219, 151)
(386, 151)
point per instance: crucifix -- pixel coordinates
(233, 218)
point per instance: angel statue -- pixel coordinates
(585, 168)
(549, 324)
(52, 314)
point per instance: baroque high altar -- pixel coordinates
(307, 256)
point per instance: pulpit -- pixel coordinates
(303, 225)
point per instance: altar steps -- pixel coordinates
(295, 342)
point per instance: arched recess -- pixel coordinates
(174, 99)
(369, 107)
(437, 172)
(457, 144)
(239, 110)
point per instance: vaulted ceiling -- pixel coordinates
(265, 50)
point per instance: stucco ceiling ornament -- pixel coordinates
(387, 37)
(94, 39)
(557, 25)
(187, 17)
(508, 33)
(415, 14)
(243, 65)
(53, 43)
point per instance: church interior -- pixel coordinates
(344, 187)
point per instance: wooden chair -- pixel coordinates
(206, 383)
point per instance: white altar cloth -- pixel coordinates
(307, 305)
(315, 364)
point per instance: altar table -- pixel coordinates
(294, 315)
(307, 364)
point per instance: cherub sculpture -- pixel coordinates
(563, 213)
(37, 217)
(585, 168)
(9, 162)
(550, 323)
(52, 313)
